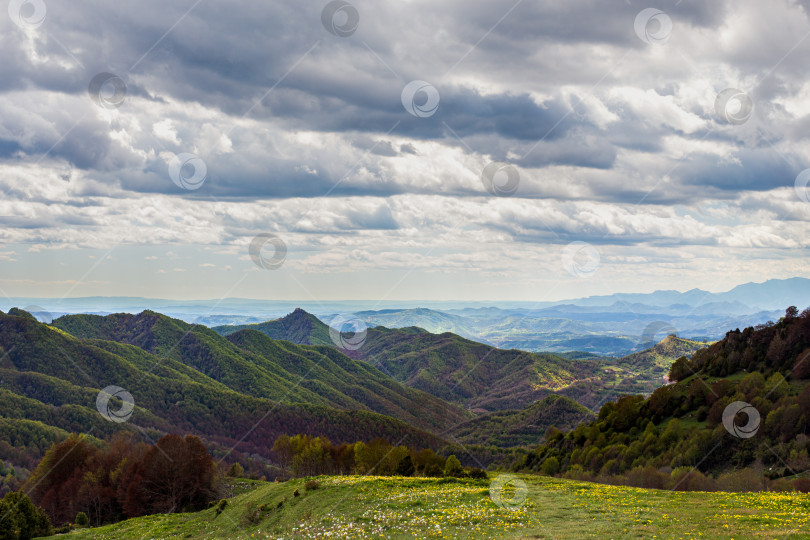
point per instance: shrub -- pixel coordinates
(296, 493)
(312, 485)
(781, 484)
(236, 471)
(742, 480)
(802, 484)
(433, 470)
(223, 504)
(646, 477)
(476, 473)
(405, 467)
(254, 516)
(81, 519)
(453, 467)
(686, 479)
(551, 466)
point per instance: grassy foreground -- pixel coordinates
(385, 507)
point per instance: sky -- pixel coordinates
(414, 150)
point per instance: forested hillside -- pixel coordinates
(50, 381)
(484, 378)
(299, 327)
(455, 369)
(524, 427)
(744, 402)
(250, 363)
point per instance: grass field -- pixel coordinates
(385, 507)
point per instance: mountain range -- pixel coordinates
(611, 325)
(240, 388)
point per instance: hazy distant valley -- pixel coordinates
(614, 325)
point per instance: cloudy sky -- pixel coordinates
(529, 150)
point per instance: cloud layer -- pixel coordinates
(617, 142)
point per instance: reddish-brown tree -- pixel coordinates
(176, 474)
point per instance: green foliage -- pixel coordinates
(412, 508)
(550, 466)
(20, 519)
(303, 455)
(236, 471)
(405, 467)
(680, 426)
(452, 467)
(522, 427)
(82, 520)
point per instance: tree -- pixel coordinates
(236, 471)
(55, 483)
(176, 474)
(680, 369)
(20, 519)
(452, 467)
(405, 467)
(791, 312)
(801, 366)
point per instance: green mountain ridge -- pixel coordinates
(299, 327)
(477, 376)
(50, 379)
(251, 363)
(742, 402)
(483, 378)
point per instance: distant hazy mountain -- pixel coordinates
(615, 330)
(436, 322)
(773, 294)
(608, 325)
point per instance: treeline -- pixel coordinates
(303, 455)
(690, 479)
(655, 442)
(781, 347)
(123, 479)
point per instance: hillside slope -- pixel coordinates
(525, 427)
(455, 369)
(298, 327)
(50, 381)
(250, 363)
(364, 507)
(742, 402)
(486, 379)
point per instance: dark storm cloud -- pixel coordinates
(756, 170)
